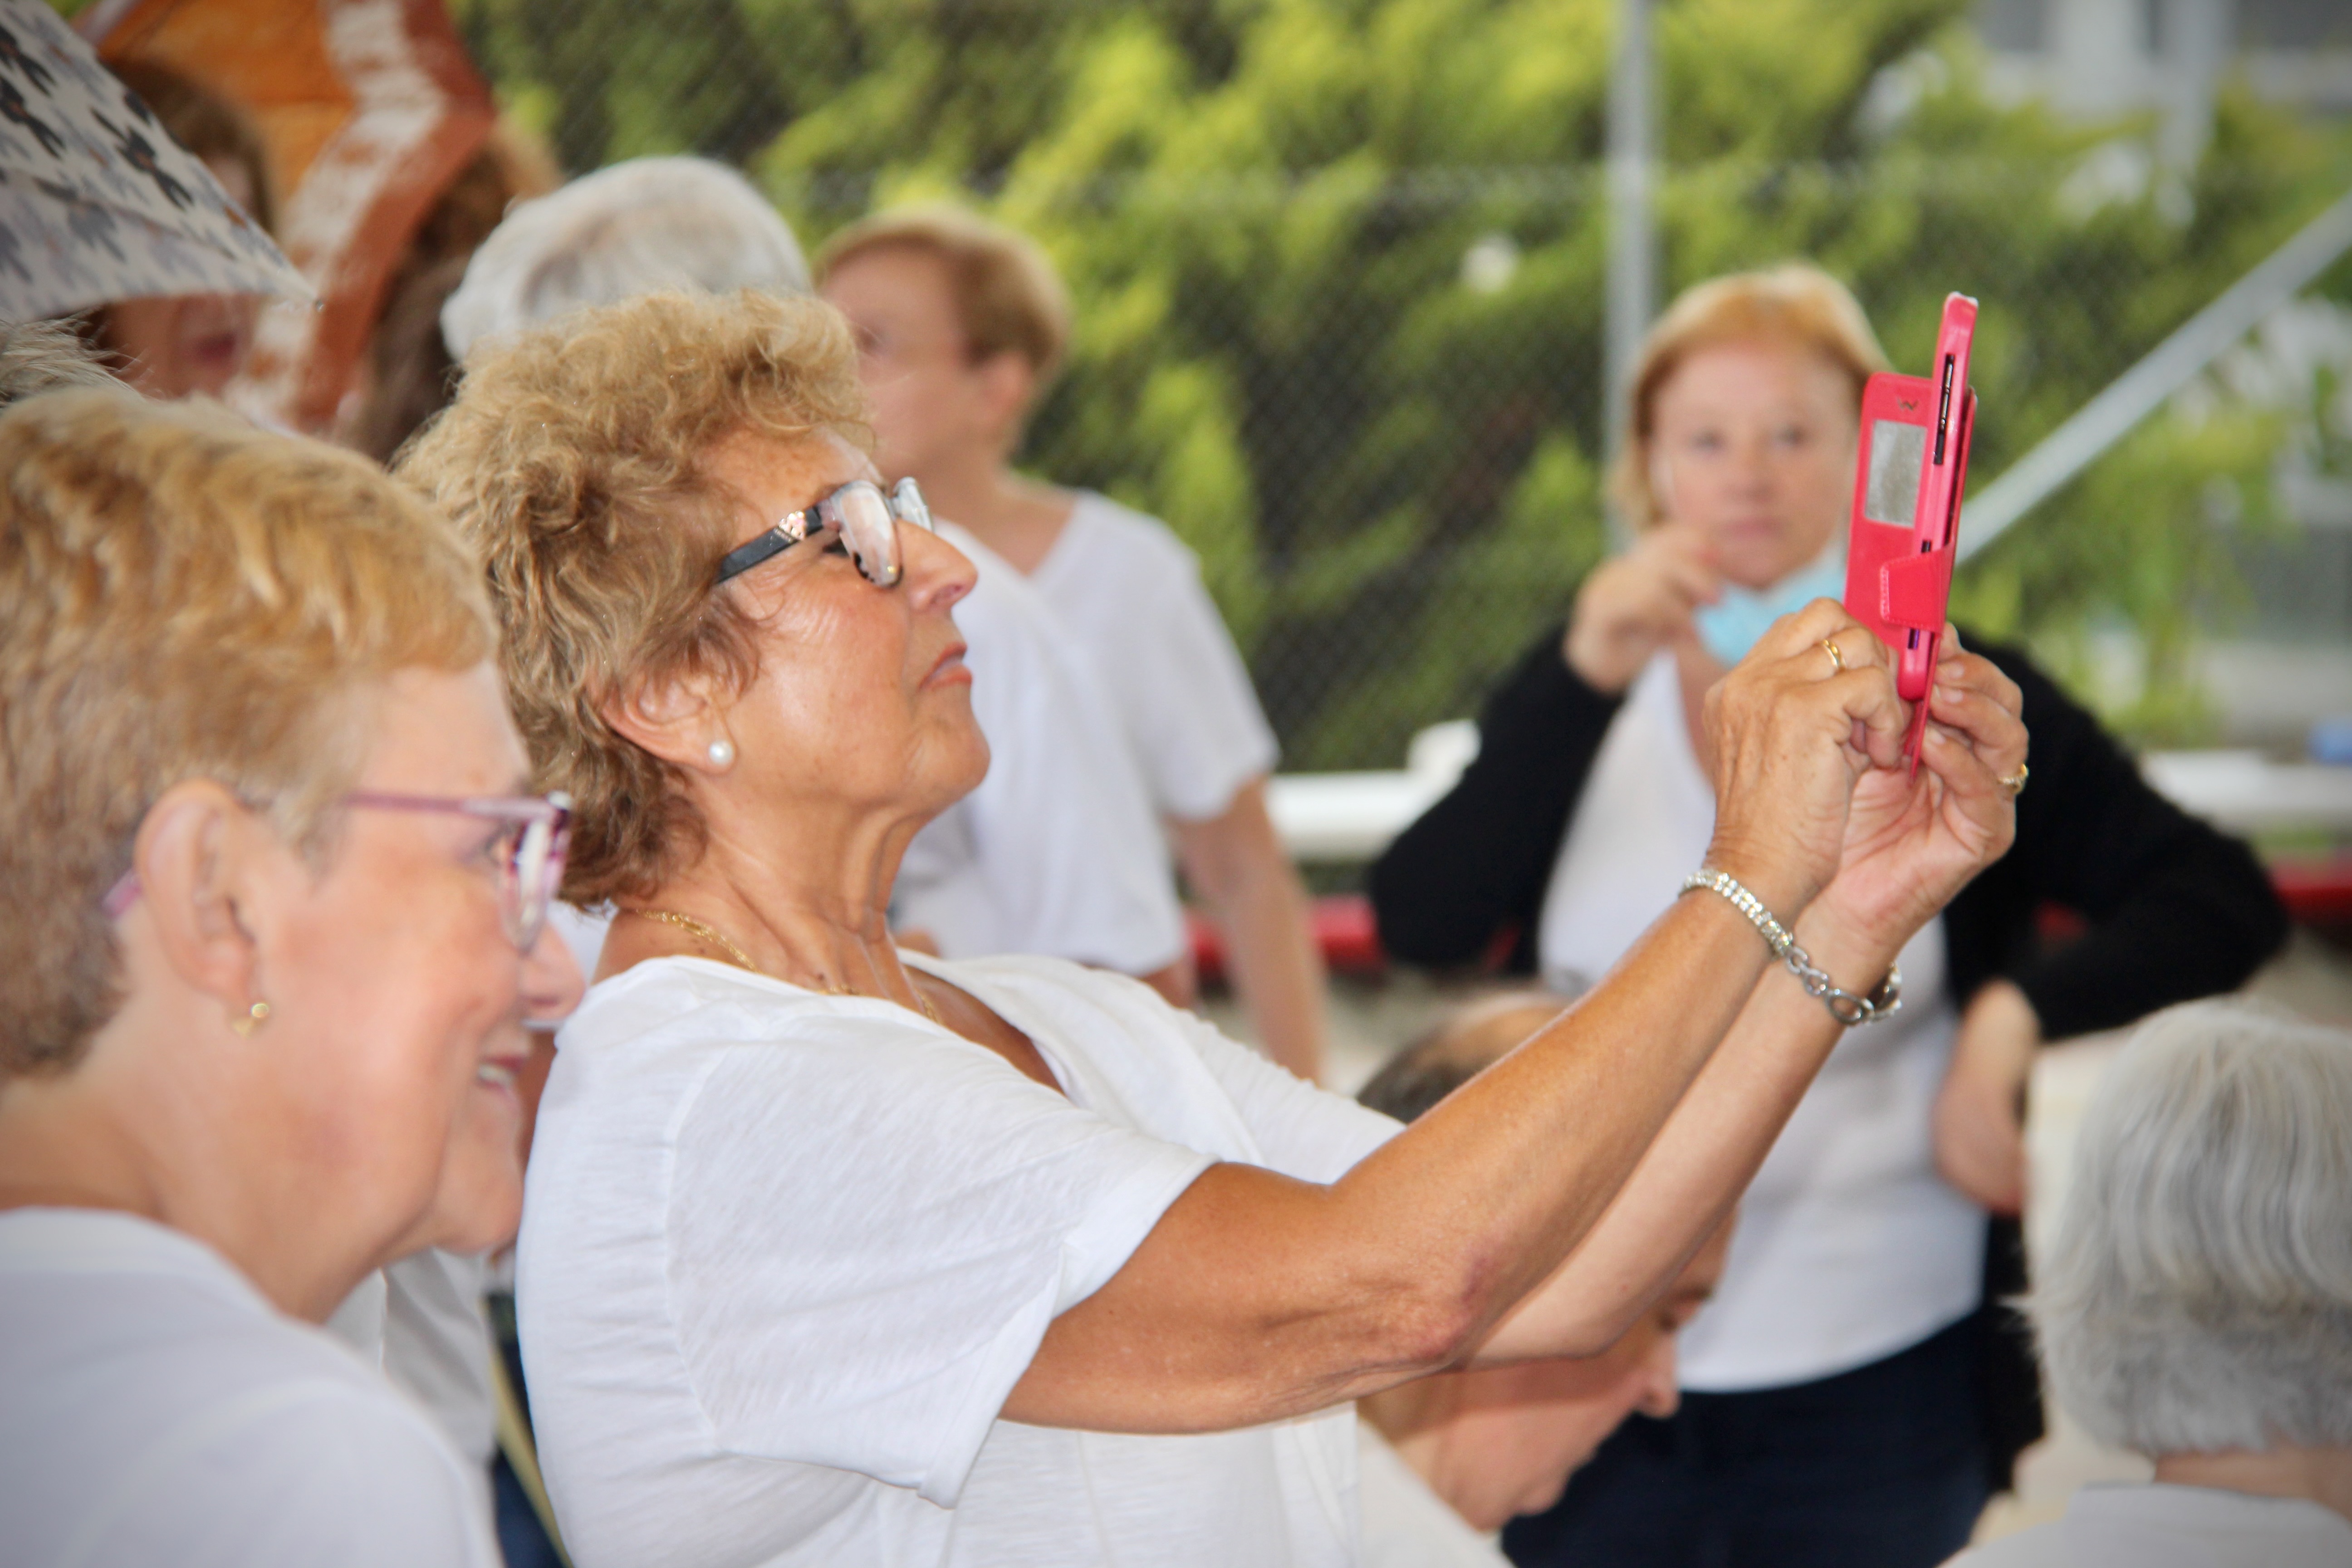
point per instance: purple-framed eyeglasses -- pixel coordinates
(534, 838)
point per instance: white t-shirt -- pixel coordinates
(1407, 1525)
(1131, 592)
(2154, 1526)
(785, 1255)
(154, 1408)
(421, 1322)
(438, 1349)
(1059, 851)
(1849, 1245)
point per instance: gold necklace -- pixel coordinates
(717, 939)
(695, 928)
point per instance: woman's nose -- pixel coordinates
(1751, 465)
(551, 981)
(937, 573)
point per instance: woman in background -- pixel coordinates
(1851, 1395)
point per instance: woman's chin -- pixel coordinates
(959, 761)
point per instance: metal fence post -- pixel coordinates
(1633, 241)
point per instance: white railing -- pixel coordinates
(1342, 819)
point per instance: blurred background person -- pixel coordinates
(836, 1254)
(639, 227)
(1853, 1393)
(963, 325)
(403, 373)
(389, 158)
(1445, 1461)
(263, 780)
(2195, 1304)
(410, 374)
(170, 346)
(1056, 851)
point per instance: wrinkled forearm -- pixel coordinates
(1257, 1297)
(1685, 1186)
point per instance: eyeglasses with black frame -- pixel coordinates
(534, 838)
(866, 519)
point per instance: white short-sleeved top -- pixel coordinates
(785, 1255)
(2158, 1526)
(1849, 1245)
(1059, 851)
(423, 1323)
(154, 1408)
(1131, 592)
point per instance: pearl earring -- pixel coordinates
(722, 753)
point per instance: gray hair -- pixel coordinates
(1455, 1049)
(2199, 1297)
(638, 227)
(43, 356)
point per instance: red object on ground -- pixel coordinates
(2315, 892)
(1345, 933)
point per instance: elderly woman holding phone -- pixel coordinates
(1849, 1394)
(280, 898)
(835, 1254)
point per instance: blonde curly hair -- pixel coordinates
(575, 460)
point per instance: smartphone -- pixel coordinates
(1912, 465)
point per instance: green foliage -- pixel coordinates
(1338, 268)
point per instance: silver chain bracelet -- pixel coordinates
(1846, 1007)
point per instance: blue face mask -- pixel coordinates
(1731, 625)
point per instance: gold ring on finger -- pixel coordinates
(1837, 660)
(2013, 785)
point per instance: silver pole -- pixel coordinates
(1632, 243)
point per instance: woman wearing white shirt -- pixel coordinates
(833, 1255)
(278, 935)
(1852, 1393)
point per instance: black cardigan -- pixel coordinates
(2172, 909)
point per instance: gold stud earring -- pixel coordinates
(253, 1019)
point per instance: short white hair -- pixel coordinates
(2198, 1295)
(637, 227)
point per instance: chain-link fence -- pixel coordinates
(1338, 270)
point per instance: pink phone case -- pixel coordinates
(1914, 463)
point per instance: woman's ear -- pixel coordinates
(197, 860)
(676, 721)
